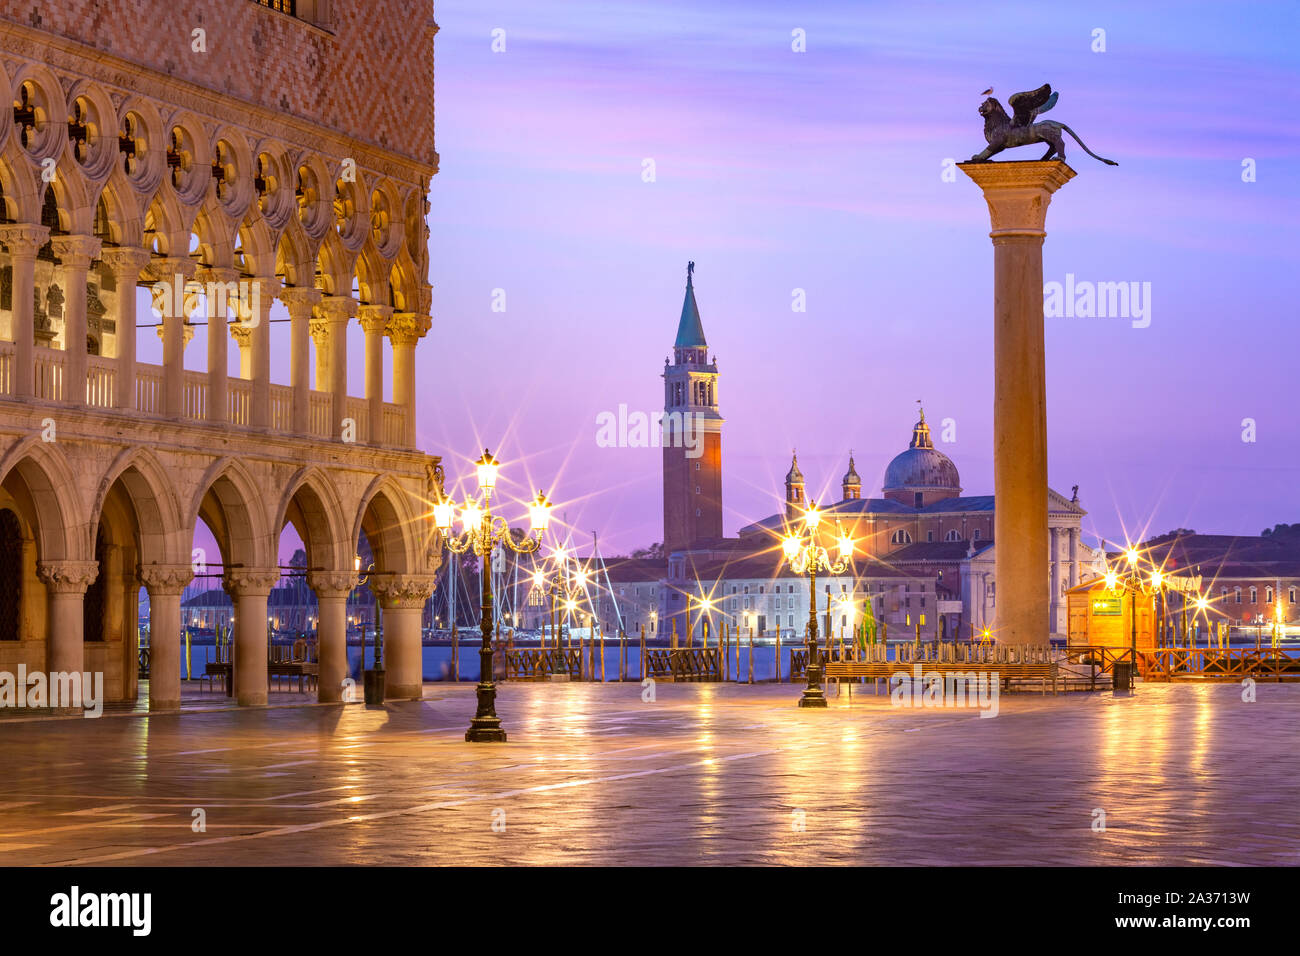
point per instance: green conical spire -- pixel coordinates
(690, 331)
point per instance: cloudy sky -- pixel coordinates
(778, 170)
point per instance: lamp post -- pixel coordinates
(805, 555)
(481, 533)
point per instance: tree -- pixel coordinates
(653, 553)
(1171, 535)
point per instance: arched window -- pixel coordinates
(953, 535)
(1268, 595)
(1254, 596)
(901, 537)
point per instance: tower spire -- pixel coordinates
(690, 330)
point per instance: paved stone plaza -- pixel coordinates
(706, 774)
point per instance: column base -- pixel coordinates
(156, 706)
(485, 730)
(813, 699)
(254, 699)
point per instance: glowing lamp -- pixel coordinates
(1111, 580)
(790, 545)
(539, 513)
(846, 547)
(539, 579)
(444, 514)
(812, 518)
(486, 468)
(470, 515)
(1156, 579)
(1132, 555)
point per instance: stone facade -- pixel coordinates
(261, 155)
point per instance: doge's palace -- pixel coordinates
(172, 170)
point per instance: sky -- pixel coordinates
(822, 171)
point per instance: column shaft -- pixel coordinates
(300, 303)
(222, 289)
(164, 649)
(126, 264)
(374, 321)
(75, 252)
(332, 649)
(23, 242)
(260, 351)
(403, 658)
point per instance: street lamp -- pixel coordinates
(481, 533)
(805, 555)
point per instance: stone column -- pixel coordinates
(76, 253)
(374, 322)
(23, 241)
(126, 263)
(337, 311)
(66, 583)
(1018, 194)
(219, 303)
(332, 589)
(259, 313)
(405, 329)
(165, 584)
(1055, 607)
(1074, 557)
(249, 588)
(300, 303)
(402, 597)
(173, 273)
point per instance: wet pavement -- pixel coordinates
(704, 774)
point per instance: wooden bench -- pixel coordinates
(1042, 671)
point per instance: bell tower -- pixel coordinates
(691, 434)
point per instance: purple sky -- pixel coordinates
(778, 170)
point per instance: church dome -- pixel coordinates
(922, 468)
(851, 476)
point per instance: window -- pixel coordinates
(901, 537)
(953, 535)
(1254, 596)
(975, 535)
(1290, 595)
(790, 621)
(1268, 595)
(919, 498)
(1237, 594)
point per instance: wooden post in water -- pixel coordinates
(723, 636)
(751, 656)
(738, 657)
(777, 647)
(641, 651)
(455, 653)
(601, 626)
(674, 642)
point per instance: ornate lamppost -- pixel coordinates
(481, 533)
(806, 555)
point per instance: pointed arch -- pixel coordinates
(392, 527)
(39, 478)
(229, 500)
(157, 510)
(311, 503)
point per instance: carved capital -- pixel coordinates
(167, 270)
(407, 328)
(24, 239)
(332, 583)
(68, 577)
(76, 252)
(251, 581)
(374, 318)
(402, 590)
(242, 334)
(1018, 193)
(126, 263)
(337, 308)
(300, 301)
(166, 578)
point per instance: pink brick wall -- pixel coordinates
(371, 77)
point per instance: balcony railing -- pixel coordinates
(150, 387)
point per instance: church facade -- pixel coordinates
(925, 549)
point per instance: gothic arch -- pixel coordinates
(311, 503)
(229, 500)
(149, 490)
(385, 515)
(38, 476)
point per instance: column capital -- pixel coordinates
(76, 252)
(332, 583)
(407, 328)
(218, 274)
(24, 239)
(337, 308)
(1018, 193)
(166, 578)
(374, 318)
(166, 269)
(242, 333)
(299, 297)
(244, 582)
(402, 590)
(125, 260)
(68, 577)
